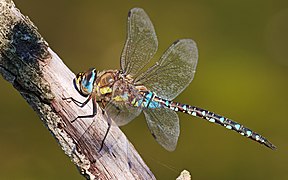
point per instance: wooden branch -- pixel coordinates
(27, 62)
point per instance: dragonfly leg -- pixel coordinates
(103, 105)
(78, 103)
(90, 115)
(102, 143)
(109, 121)
(127, 154)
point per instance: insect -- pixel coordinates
(123, 94)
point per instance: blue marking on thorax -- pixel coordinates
(139, 103)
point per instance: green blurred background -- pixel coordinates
(242, 74)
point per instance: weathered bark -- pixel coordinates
(28, 63)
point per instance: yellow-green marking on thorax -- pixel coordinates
(105, 90)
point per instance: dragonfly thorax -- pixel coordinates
(105, 81)
(113, 85)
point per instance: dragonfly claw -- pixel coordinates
(67, 99)
(74, 120)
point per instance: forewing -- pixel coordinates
(141, 43)
(164, 126)
(173, 72)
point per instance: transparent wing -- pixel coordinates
(141, 43)
(164, 126)
(121, 113)
(173, 72)
(119, 108)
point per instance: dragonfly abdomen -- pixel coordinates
(152, 101)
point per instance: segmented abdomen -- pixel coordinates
(152, 101)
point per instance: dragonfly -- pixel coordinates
(123, 94)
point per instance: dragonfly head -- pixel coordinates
(84, 82)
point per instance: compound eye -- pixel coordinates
(79, 75)
(79, 78)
